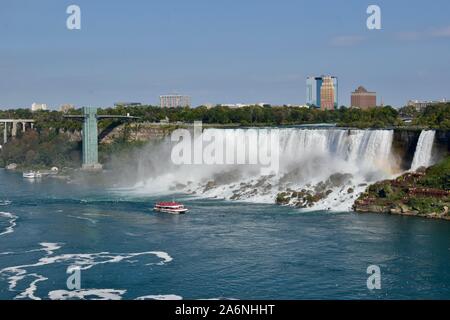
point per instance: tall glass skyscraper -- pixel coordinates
(311, 93)
(313, 88)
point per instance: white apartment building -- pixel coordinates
(174, 101)
(39, 107)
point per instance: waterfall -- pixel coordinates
(423, 153)
(341, 162)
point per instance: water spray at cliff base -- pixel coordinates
(319, 169)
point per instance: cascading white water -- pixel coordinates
(307, 158)
(423, 154)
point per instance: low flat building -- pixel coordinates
(363, 99)
(66, 108)
(421, 105)
(127, 104)
(39, 107)
(174, 101)
(243, 105)
(303, 106)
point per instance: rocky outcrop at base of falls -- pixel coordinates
(230, 183)
(424, 193)
(300, 199)
(307, 198)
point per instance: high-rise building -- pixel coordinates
(363, 99)
(174, 101)
(313, 91)
(311, 96)
(327, 94)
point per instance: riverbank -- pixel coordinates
(424, 193)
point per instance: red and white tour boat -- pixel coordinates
(170, 207)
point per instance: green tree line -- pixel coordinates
(250, 115)
(435, 116)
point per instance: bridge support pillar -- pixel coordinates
(14, 129)
(5, 133)
(90, 140)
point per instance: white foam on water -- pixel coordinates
(84, 261)
(4, 203)
(30, 291)
(19, 272)
(12, 222)
(49, 247)
(160, 297)
(99, 294)
(83, 218)
(162, 255)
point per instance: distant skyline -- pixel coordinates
(220, 51)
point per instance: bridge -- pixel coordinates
(14, 123)
(90, 120)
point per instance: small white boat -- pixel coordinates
(32, 175)
(170, 207)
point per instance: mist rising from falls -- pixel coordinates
(423, 154)
(341, 162)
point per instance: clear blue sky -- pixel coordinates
(220, 51)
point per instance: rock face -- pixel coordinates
(442, 145)
(443, 138)
(405, 142)
(300, 199)
(72, 136)
(404, 146)
(141, 132)
(424, 193)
